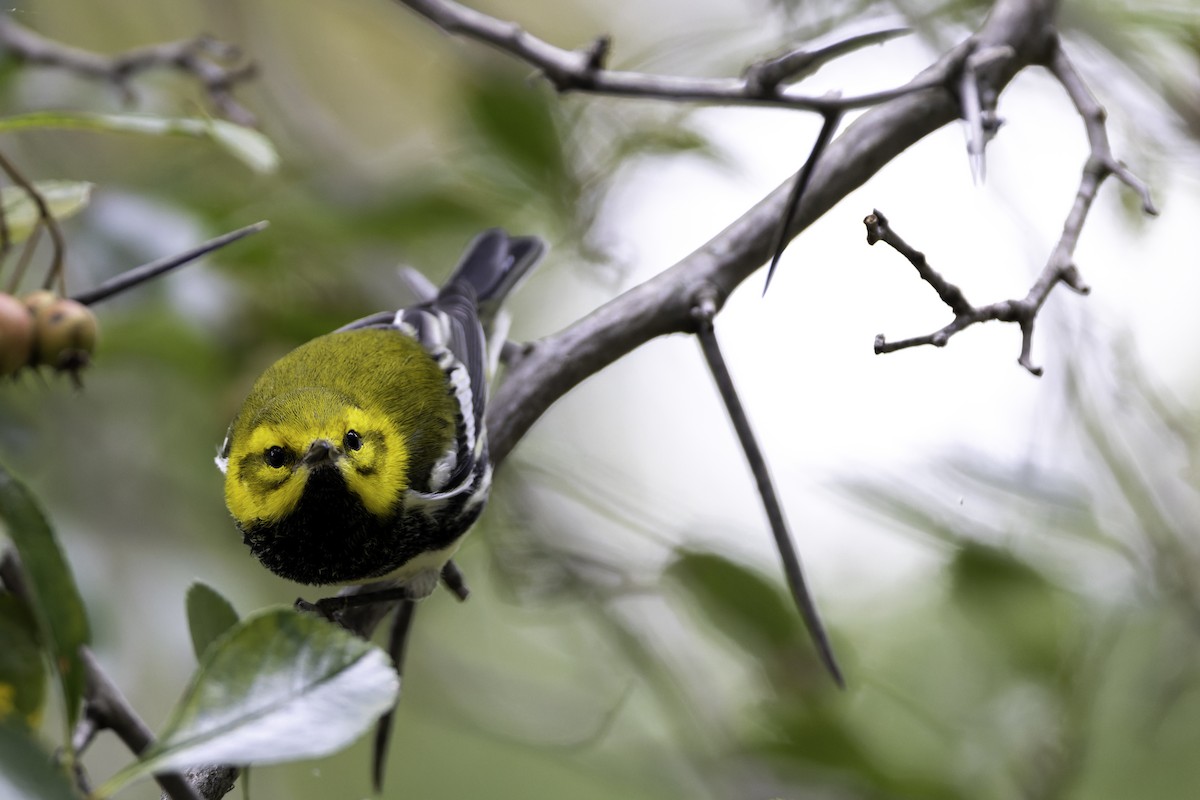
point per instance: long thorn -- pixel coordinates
(828, 127)
(766, 489)
(133, 277)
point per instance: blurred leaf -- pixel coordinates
(209, 616)
(816, 741)
(57, 606)
(62, 198)
(28, 772)
(247, 145)
(1012, 603)
(740, 602)
(280, 686)
(668, 140)
(516, 119)
(22, 668)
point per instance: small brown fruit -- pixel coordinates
(36, 301)
(16, 335)
(65, 332)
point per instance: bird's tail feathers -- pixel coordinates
(493, 264)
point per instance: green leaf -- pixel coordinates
(249, 146)
(62, 198)
(743, 604)
(1013, 604)
(209, 615)
(22, 668)
(57, 607)
(517, 120)
(27, 771)
(279, 686)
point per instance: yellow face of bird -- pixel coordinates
(271, 458)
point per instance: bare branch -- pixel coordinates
(217, 66)
(108, 708)
(704, 313)
(582, 71)
(548, 368)
(1023, 312)
(1060, 267)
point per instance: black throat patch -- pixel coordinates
(330, 537)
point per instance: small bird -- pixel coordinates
(362, 455)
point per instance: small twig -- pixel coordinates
(578, 71)
(5, 237)
(879, 230)
(46, 218)
(824, 137)
(213, 63)
(704, 312)
(25, 258)
(397, 648)
(1022, 312)
(133, 277)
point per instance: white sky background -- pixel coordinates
(822, 402)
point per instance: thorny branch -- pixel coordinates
(584, 71)
(217, 66)
(1060, 267)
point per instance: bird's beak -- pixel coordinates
(320, 453)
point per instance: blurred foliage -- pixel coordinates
(608, 649)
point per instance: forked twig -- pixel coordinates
(217, 66)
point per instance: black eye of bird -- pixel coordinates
(352, 440)
(275, 456)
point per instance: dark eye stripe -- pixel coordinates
(378, 452)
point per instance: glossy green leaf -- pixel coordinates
(57, 607)
(209, 616)
(743, 604)
(279, 686)
(249, 146)
(22, 667)
(62, 199)
(27, 771)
